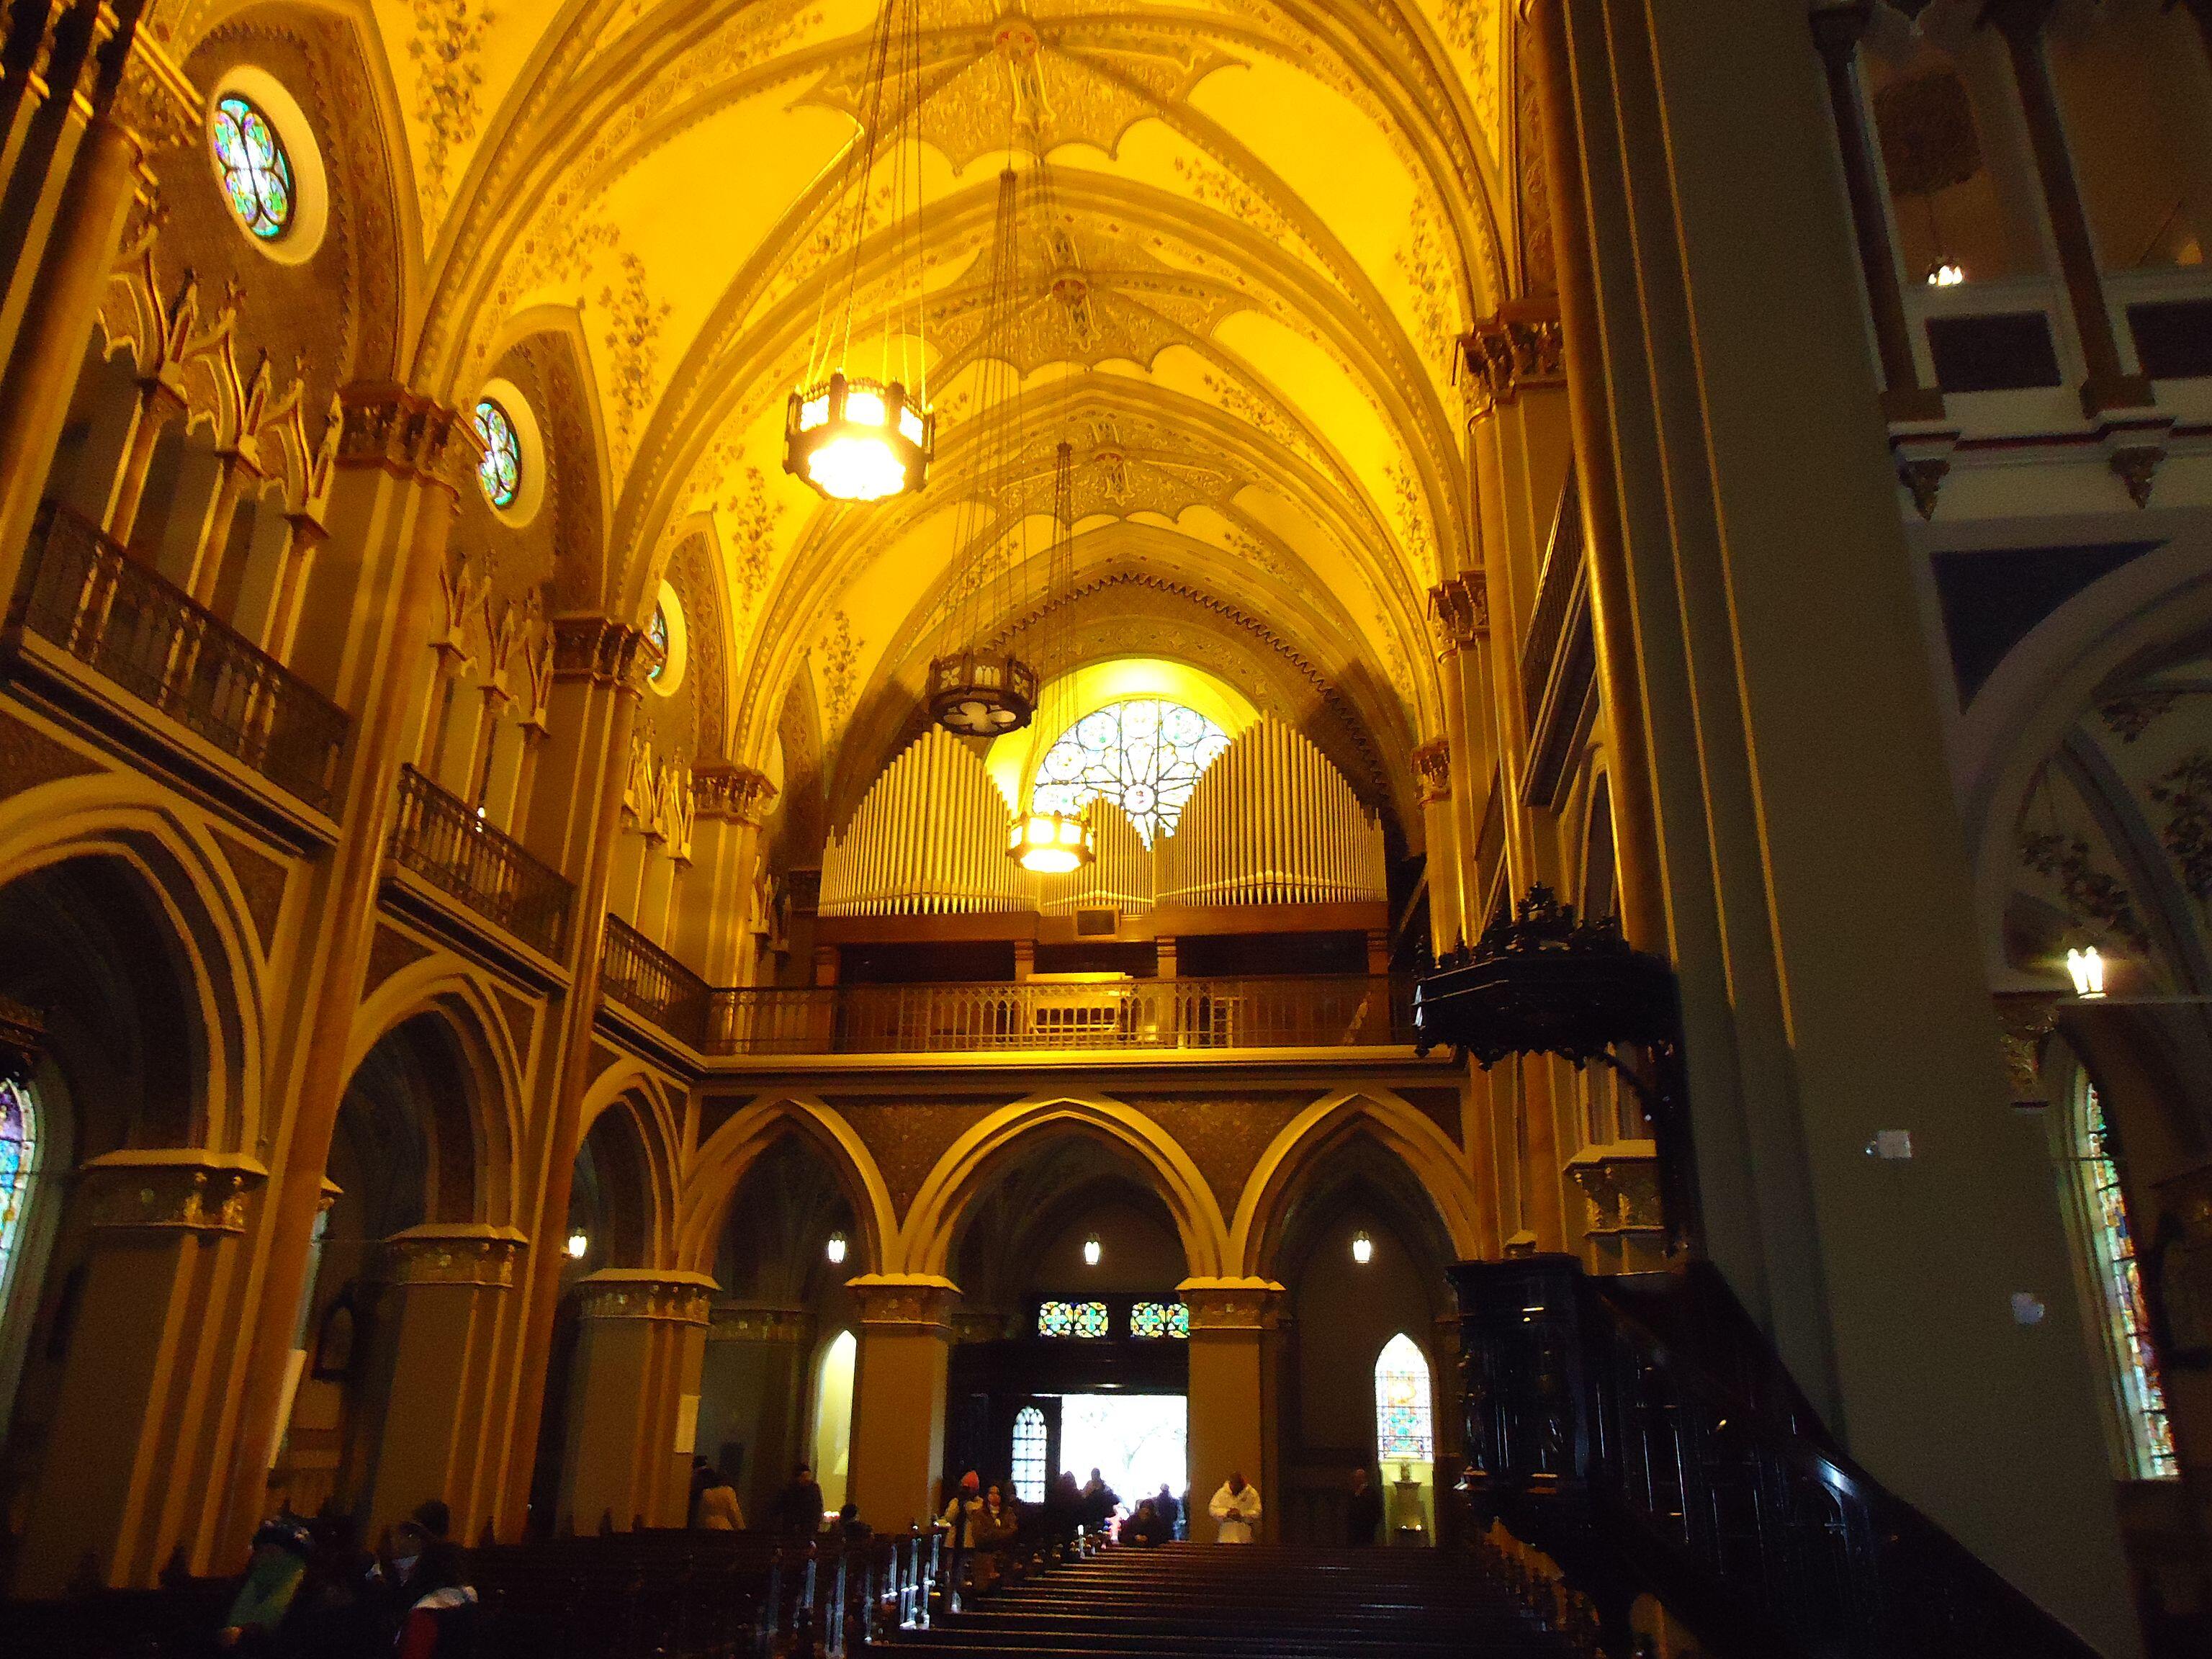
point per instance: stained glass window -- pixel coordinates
(1404, 1425)
(1029, 1455)
(18, 1147)
(1145, 755)
(1082, 1319)
(2112, 1249)
(1154, 1319)
(250, 162)
(656, 633)
(500, 472)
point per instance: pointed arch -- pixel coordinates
(655, 1115)
(932, 1224)
(1430, 1156)
(720, 1164)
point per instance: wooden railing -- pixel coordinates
(1643, 1432)
(645, 979)
(439, 838)
(123, 619)
(1290, 1012)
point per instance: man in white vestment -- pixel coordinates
(1235, 1506)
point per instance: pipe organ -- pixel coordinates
(1271, 822)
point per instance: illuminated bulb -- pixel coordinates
(855, 440)
(1949, 274)
(579, 1242)
(836, 1247)
(1362, 1249)
(1090, 1251)
(2088, 968)
(1050, 843)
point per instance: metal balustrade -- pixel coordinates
(645, 979)
(124, 620)
(439, 838)
(1290, 1012)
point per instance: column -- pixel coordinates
(633, 1397)
(731, 802)
(1449, 864)
(1230, 1425)
(2108, 387)
(142, 1437)
(757, 1351)
(1836, 31)
(448, 1299)
(898, 1397)
(1459, 613)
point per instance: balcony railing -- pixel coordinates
(448, 846)
(645, 979)
(123, 619)
(1173, 1014)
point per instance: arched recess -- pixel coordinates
(933, 1224)
(1429, 1158)
(624, 1192)
(721, 1163)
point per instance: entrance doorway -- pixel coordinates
(1138, 1443)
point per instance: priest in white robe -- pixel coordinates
(1235, 1506)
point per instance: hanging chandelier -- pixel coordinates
(982, 690)
(857, 436)
(1050, 841)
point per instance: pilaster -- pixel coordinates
(1232, 1321)
(899, 1395)
(633, 1396)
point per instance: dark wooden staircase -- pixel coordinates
(1254, 1601)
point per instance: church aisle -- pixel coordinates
(1265, 1601)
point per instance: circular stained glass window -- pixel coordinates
(656, 633)
(250, 162)
(500, 472)
(1145, 754)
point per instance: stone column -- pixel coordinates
(2108, 387)
(144, 1434)
(1459, 616)
(633, 1397)
(1230, 1425)
(448, 1300)
(732, 804)
(758, 1348)
(898, 1397)
(1836, 31)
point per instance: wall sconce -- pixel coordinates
(1362, 1249)
(835, 1249)
(579, 1242)
(1090, 1251)
(2088, 968)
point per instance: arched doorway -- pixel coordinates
(833, 1418)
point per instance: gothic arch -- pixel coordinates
(720, 1164)
(932, 1224)
(630, 1092)
(1428, 1155)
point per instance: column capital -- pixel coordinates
(735, 795)
(666, 1294)
(918, 1305)
(448, 1255)
(412, 437)
(1521, 345)
(172, 1189)
(2026, 1020)
(1459, 607)
(1251, 1306)
(753, 1322)
(1432, 762)
(597, 649)
(156, 106)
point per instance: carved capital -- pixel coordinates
(599, 650)
(452, 1256)
(172, 1191)
(737, 794)
(156, 106)
(1522, 346)
(1459, 609)
(677, 1298)
(1620, 1182)
(1432, 761)
(407, 434)
(748, 1322)
(2026, 1020)
(1232, 1305)
(916, 1304)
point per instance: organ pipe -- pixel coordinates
(928, 839)
(1271, 822)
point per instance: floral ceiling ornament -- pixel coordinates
(447, 52)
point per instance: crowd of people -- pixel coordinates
(308, 1591)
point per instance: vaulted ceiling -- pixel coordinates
(1284, 214)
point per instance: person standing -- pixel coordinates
(1235, 1506)
(716, 1509)
(703, 1476)
(1363, 1513)
(1165, 1507)
(1100, 1501)
(798, 1507)
(272, 1578)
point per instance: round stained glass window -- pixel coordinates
(500, 472)
(250, 161)
(1145, 755)
(656, 633)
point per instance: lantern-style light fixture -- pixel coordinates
(1051, 843)
(1049, 840)
(2087, 966)
(1091, 1251)
(1363, 1248)
(835, 1248)
(852, 434)
(580, 1243)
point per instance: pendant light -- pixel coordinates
(979, 691)
(860, 428)
(1046, 840)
